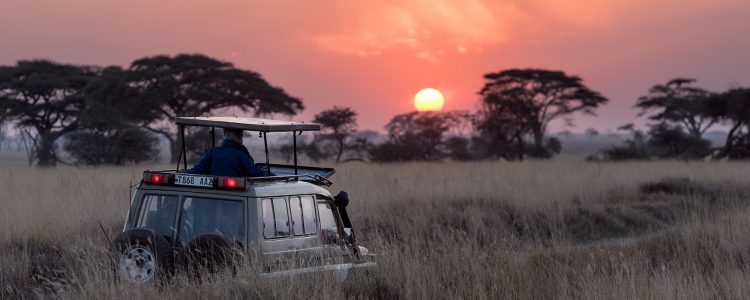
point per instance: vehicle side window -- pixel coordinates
(309, 215)
(329, 229)
(303, 215)
(275, 218)
(204, 215)
(295, 206)
(158, 213)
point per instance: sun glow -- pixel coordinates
(429, 99)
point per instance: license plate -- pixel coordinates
(192, 180)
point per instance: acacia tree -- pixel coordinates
(541, 96)
(733, 108)
(681, 103)
(337, 126)
(44, 99)
(417, 136)
(108, 125)
(501, 125)
(196, 85)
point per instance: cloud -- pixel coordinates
(420, 26)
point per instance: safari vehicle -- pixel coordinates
(285, 224)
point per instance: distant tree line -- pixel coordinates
(682, 113)
(115, 115)
(517, 107)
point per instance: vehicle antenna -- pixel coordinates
(105, 232)
(130, 192)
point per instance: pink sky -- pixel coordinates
(374, 55)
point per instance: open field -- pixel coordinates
(553, 229)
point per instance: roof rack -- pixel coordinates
(316, 179)
(264, 126)
(252, 124)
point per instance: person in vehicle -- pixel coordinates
(231, 158)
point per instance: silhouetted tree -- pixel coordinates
(662, 141)
(459, 148)
(195, 85)
(565, 133)
(538, 97)
(680, 103)
(416, 136)
(634, 148)
(668, 141)
(591, 133)
(108, 131)
(337, 125)
(114, 146)
(502, 125)
(3, 134)
(360, 145)
(44, 99)
(733, 108)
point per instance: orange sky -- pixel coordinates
(373, 55)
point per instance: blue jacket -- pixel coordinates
(229, 159)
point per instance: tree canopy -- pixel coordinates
(536, 97)
(108, 125)
(520, 102)
(197, 85)
(44, 98)
(733, 108)
(679, 102)
(337, 125)
(417, 136)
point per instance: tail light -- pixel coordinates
(156, 178)
(232, 183)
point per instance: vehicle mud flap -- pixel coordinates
(139, 256)
(211, 253)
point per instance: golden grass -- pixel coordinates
(548, 229)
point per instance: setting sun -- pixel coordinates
(429, 99)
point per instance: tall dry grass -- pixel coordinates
(551, 229)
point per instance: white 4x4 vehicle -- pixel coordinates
(285, 224)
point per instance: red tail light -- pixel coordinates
(230, 182)
(157, 178)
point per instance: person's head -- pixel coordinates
(233, 134)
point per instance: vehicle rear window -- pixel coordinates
(217, 216)
(158, 213)
(275, 218)
(303, 215)
(329, 229)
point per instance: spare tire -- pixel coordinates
(139, 255)
(210, 253)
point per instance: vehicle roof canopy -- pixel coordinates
(252, 124)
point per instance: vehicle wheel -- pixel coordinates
(210, 253)
(139, 256)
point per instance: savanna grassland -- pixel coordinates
(552, 229)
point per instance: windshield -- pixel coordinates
(206, 215)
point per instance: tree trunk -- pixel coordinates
(521, 149)
(341, 150)
(174, 148)
(538, 137)
(45, 153)
(730, 138)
